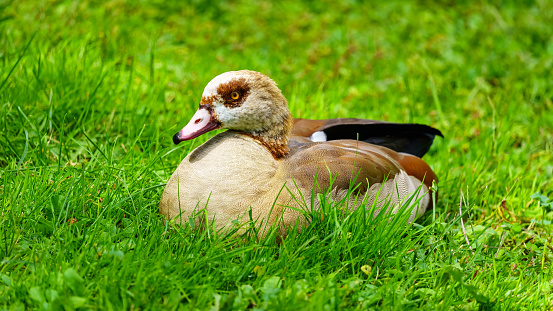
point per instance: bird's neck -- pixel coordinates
(275, 137)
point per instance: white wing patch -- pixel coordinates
(318, 136)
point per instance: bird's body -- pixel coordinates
(268, 164)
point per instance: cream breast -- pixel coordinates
(225, 176)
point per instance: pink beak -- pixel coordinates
(202, 122)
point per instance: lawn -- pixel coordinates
(91, 93)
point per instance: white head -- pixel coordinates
(245, 101)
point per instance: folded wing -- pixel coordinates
(414, 139)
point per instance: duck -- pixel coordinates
(268, 166)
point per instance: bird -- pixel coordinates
(268, 166)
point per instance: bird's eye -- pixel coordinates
(234, 95)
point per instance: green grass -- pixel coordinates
(91, 93)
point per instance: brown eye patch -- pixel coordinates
(234, 92)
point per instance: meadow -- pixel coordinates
(91, 93)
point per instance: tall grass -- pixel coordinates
(92, 92)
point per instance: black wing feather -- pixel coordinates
(414, 139)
